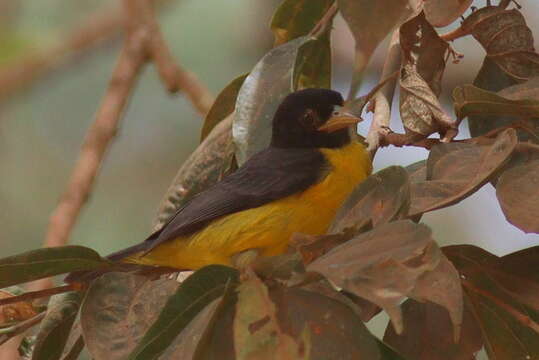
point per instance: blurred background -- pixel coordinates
(42, 126)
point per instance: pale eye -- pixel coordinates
(336, 110)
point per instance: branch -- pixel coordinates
(9, 332)
(384, 98)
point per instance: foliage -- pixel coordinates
(311, 303)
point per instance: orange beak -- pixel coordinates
(338, 121)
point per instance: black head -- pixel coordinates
(307, 118)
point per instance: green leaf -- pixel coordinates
(382, 197)
(470, 100)
(295, 18)
(223, 106)
(41, 263)
(370, 22)
(197, 291)
(261, 93)
(118, 310)
(55, 328)
(313, 64)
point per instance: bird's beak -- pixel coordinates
(339, 120)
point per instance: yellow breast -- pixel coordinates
(269, 227)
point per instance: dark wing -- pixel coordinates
(267, 176)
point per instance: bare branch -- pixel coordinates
(384, 97)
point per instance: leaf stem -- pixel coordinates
(39, 294)
(324, 22)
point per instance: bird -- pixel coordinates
(295, 185)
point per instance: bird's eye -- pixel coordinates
(309, 119)
(336, 110)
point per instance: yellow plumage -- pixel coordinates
(268, 227)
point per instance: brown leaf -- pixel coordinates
(507, 40)
(427, 333)
(417, 171)
(257, 333)
(15, 312)
(517, 188)
(382, 197)
(456, 170)
(509, 328)
(443, 12)
(388, 264)
(118, 310)
(424, 54)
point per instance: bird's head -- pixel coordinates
(312, 118)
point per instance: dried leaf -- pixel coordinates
(263, 90)
(459, 172)
(424, 54)
(41, 263)
(370, 22)
(193, 295)
(507, 325)
(443, 12)
(470, 100)
(15, 312)
(507, 40)
(201, 170)
(388, 264)
(417, 171)
(257, 333)
(118, 310)
(295, 18)
(382, 197)
(427, 333)
(517, 188)
(223, 106)
(55, 328)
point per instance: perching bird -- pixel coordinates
(295, 185)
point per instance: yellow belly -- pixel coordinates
(269, 227)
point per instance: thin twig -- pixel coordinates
(31, 295)
(325, 21)
(384, 97)
(520, 317)
(455, 34)
(9, 332)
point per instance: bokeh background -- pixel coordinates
(42, 127)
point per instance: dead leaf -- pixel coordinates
(457, 170)
(15, 312)
(443, 12)
(386, 264)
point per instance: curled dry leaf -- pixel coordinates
(382, 197)
(443, 12)
(509, 327)
(201, 170)
(118, 310)
(15, 312)
(370, 22)
(517, 188)
(507, 40)
(55, 328)
(457, 170)
(427, 333)
(388, 264)
(423, 64)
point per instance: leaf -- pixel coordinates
(443, 12)
(507, 40)
(424, 54)
(507, 325)
(470, 100)
(201, 170)
(15, 312)
(223, 106)
(455, 171)
(117, 311)
(261, 93)
(313, 64)
(295, 18)
(55, 328)
(197, 291)
(417, 171)
(517, 190)
(382, 197)
(427, 333)
(370, 22)
(392, 262)
(257, 333)
(41, 263)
